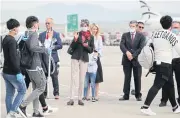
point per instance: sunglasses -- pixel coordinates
(175, 27)
(47, 23)
(141, 27)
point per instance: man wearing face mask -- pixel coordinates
(131, 45)
(140, 29)
(176, 67)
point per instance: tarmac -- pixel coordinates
(111, 89)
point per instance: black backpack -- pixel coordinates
(25, 55)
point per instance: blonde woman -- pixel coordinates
(98, 45)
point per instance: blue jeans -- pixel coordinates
(12, 83)
(90, 77)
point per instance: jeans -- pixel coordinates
(11, 85)
(92, 77)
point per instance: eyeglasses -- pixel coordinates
(141, 27)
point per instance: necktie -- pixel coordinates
(132, 36)
(47, 36)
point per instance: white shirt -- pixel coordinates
(164, 41)
(134, 34)
(98, 44)
(92, 65)
(47, 43)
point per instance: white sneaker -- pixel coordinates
(177, 110)
(148, 112)
(49, 110)
(11, 115)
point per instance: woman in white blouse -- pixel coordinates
(98, 47)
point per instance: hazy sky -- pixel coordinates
(123, 8)
(158, 5)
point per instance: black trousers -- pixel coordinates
(41, 97)
(137, 71)
(163, 78)
(176, 69)
(55, 82)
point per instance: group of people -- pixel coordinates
(86, 50)
(35, 50)
(33, 66)
(166, 46)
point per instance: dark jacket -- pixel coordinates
(57, 44)
(80, 52)
(134, 47)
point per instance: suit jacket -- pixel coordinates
(80, 52)
(134, 47)
(57, 44)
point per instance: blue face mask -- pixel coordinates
(175, 31)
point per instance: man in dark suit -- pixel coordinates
(131, 45)
(45, 38)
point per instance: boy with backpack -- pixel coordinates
(32, 63)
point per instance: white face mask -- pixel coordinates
(132, 30)
(84, 29)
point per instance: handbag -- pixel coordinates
(70, 50)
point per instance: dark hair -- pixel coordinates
(140, 23)
(12, 23)
(30, 21)
(166, 22)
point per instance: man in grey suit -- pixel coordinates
(131, 45)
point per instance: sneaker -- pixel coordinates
(57, 97)
(177, 111)
(12, 115)
(148, 112)
(22, 111)
(93, 100)
(84, 98)
(97, 99)
(39, 115)
(49, 110)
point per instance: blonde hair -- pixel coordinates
(98, 30)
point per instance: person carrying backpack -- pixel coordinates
(32, 63)
(163, 41)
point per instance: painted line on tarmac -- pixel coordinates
(100, 93)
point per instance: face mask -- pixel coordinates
(84, 29)
(175, 31)
(132, 30)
